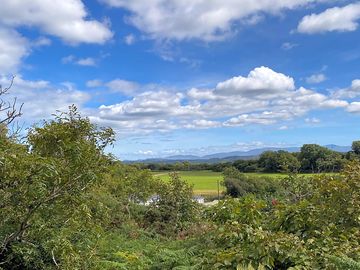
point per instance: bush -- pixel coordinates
(174, 210)
(238, 185)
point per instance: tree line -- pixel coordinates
(312, 158)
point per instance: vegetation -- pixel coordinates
(66, 204)
(312, 158)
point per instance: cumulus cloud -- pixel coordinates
(13, 48)
(264, 118)
(341, 19)
(87, 61)
(354, 107)
(261, 82)
(129, 39)
(350, 92)
(316, 78)
(66, 19)
(52, 97)
(123, 86)
(207, 20)
(203, 124)
(264, 97)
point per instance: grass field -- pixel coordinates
(206, 182)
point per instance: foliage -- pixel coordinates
(173, 209)
(304, 230)
(45, 220)
(280, 161)
(131, 248)
(356, 147)
(315, 158)
(344, 263)
(238, 184)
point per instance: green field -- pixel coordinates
(206, 182)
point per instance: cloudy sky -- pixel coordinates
(189, 76)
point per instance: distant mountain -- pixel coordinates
(338, 148)
(182, 157)
(254, 152)
(231, 156)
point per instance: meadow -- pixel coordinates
(206, 182)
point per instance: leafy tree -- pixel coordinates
(43, 187)
(238, 184)
(280, 161)
(356, 147)
(173, 210)
(315, 158)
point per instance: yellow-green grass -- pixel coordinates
(206, 182)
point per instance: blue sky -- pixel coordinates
(189, 77)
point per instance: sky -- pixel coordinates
(180, 77)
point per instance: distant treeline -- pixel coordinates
(312, 158)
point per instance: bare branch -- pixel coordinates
(9, 111)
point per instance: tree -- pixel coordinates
(356, 147)
(9, 110)
(173, 210)
(315, 158)
(280, 161)
(238, 184)
(43, 189)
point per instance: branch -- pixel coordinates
(9, 108)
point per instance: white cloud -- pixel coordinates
(202, 94)
(66, 19)
(41, 42)
(13, 48)
(68, 59)
(264, 97)
(283, 127)
(71, 59)
(341, 19)
(129, 39)
(207, 20)
(316, 78)
(123, 86)
(354, 107)
(145, 152)
(264, 118)
(288, 46)
(94, 83)
(89, 61)
(312, 120)
(261, 81)
(350, 92)
(203, 124)
(52, 98)
(148, 105)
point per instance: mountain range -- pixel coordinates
(231, 156)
